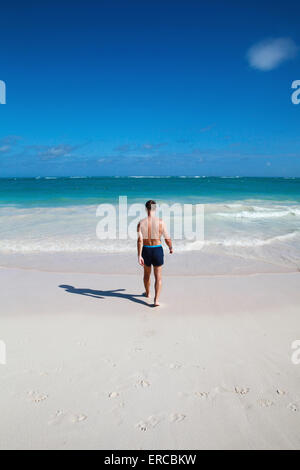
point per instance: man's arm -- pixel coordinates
(167, 237)
(139, 244)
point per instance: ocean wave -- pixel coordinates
(241, 242)
(253, 242)
(63, 246)
(70, 245)
(144, 177)
(260, 213)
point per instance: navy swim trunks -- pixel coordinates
(153, 255)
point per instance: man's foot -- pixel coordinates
(146, 295)
(156, 303)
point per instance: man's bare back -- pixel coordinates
(150, 252)
(152, 228)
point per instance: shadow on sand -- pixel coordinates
(101, 294)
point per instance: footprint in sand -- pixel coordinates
(143, 383)
(60, 417)
(113, 395)
(175, 365)
(149, 423)
(293, 407)
(280, 392)
(177, 417)
(78, 418)
(265, 403)
(109, 362)
(202, 394)
(241, 391)
(37, 397)
(142, 426)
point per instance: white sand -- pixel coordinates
(209, 369)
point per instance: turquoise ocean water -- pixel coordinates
(60, 192)
(254, 218)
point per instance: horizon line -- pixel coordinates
(145, 176)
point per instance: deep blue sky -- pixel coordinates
(147, 88)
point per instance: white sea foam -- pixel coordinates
(93, 245)
(272, 234)
(250, 242)
(260, 213)
(64, 246)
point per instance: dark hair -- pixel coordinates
(149, 204)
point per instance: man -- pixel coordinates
(150, 251)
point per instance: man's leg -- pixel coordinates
(157, 274)
(147, 273)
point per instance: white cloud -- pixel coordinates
(270, 53)
(62, 150)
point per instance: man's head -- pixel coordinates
(150, 206)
